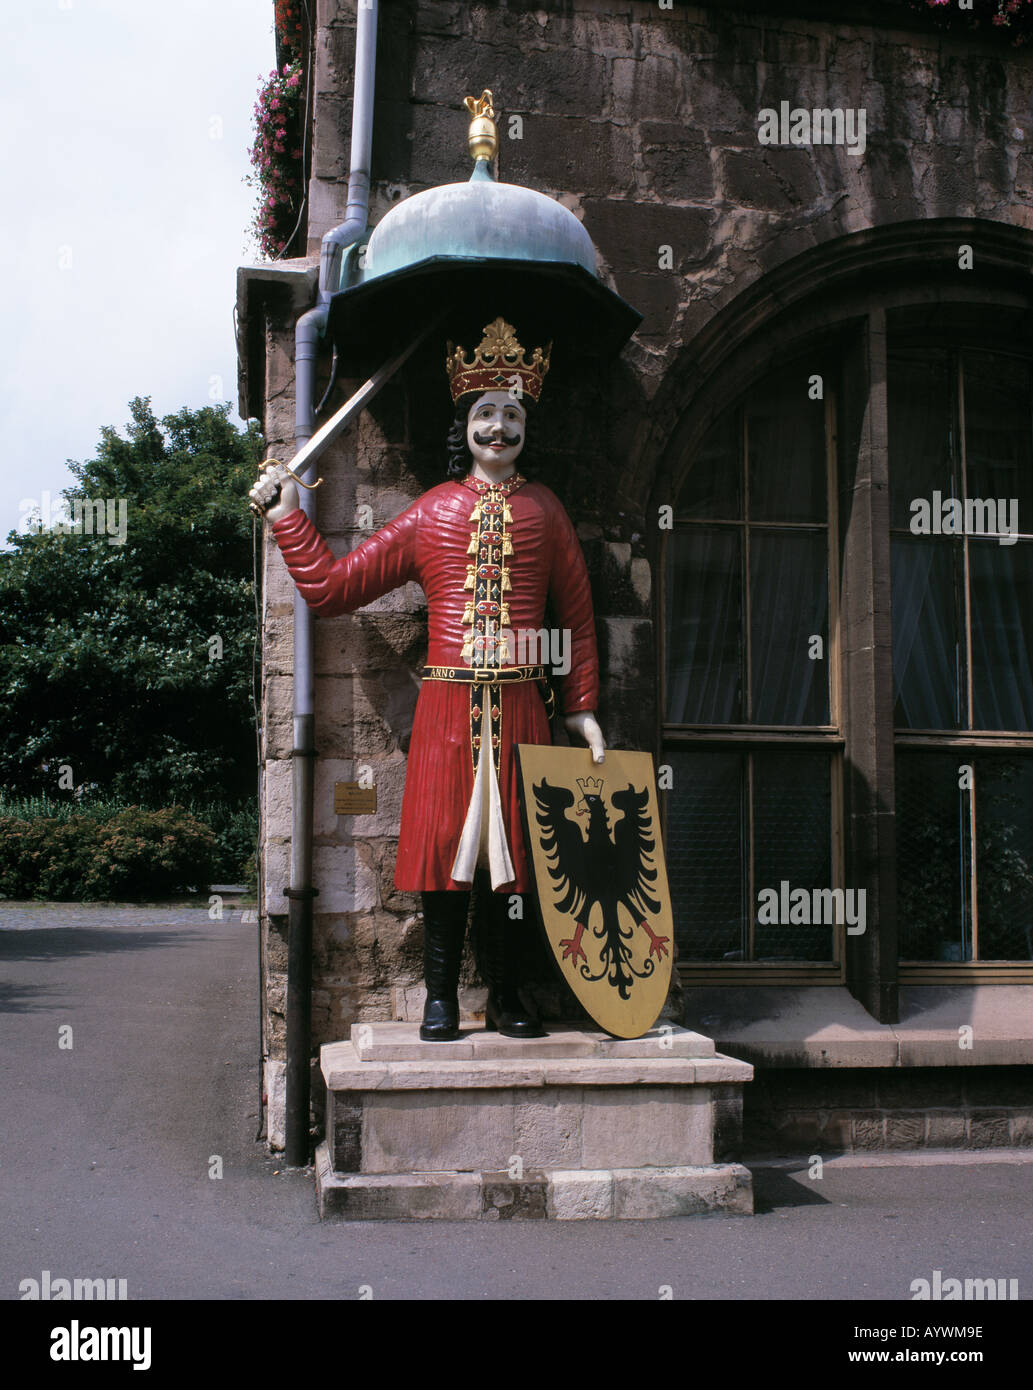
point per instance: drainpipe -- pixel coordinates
(310, 328)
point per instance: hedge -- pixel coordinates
(126, 854)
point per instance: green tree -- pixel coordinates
(106, 649)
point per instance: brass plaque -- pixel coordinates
(593, 831)
(351, 799)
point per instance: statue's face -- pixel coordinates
(495, 432)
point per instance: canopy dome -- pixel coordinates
(480, 218)
(466, 253)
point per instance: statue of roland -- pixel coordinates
(488, 547)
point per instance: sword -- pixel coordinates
(326, 434)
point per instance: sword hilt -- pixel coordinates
(309, 487)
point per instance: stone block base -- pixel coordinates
(574, 1126)
(628, 1194)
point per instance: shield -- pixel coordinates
(593, 833)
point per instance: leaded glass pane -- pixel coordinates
(1001, 584)
(1004, 857)
(704, 626)
(789, 597)
(792, 835)
(706, 854)
(998, 432)
(920, 444)
(927, 653)
(933, 857)
(787, 467)
(713, 488)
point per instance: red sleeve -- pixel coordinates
(383, 562)
(572, 599)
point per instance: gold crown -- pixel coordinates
(497, 365)
(590, 786)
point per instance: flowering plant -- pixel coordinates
(289, 27)
(1013, 16)
(276, 158)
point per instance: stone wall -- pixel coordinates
(849, 1109)
(643, 122)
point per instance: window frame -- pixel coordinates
(746, 738)
(958, 338)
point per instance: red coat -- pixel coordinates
(430, 543)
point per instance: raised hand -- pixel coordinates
(275, 495)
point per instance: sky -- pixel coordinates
(124, 132)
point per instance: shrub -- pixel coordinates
(140, 853)
(134, 853)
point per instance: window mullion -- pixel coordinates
(867, 657)
(747, 630)
(966, 619)
(751, 892)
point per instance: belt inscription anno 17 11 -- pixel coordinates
(484, 675)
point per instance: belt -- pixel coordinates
(484, 675)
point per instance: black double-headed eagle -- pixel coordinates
(612, 868)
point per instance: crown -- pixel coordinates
(497, 365)
(590, 786)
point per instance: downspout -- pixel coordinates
(310, 328)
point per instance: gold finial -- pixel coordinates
(483, 139)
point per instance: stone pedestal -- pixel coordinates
(575, 1125)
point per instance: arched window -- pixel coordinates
(846, 663)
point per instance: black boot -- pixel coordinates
(444, 930)
(500, 965)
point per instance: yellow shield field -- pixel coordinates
(593, 833)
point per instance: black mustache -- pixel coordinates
(507, 439)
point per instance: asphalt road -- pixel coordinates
(107, 1146)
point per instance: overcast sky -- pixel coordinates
(124, 130)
